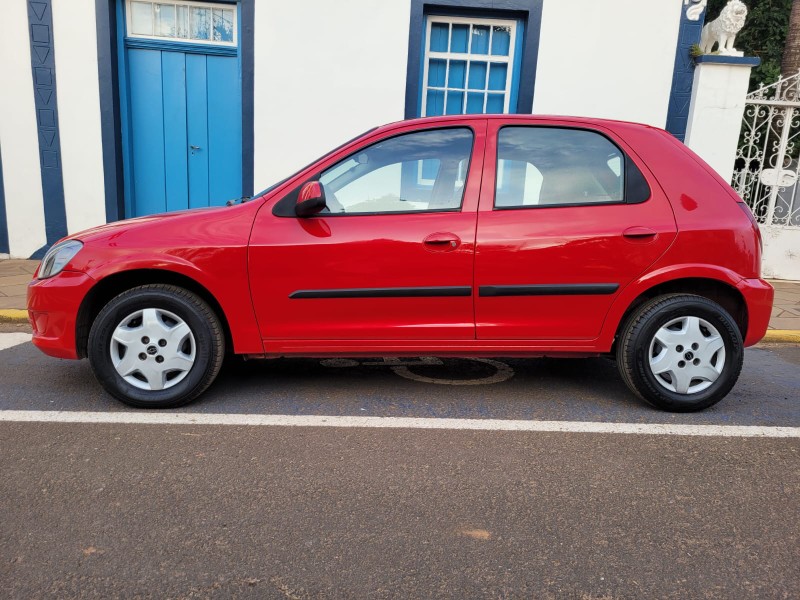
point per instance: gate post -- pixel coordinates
(717, 107)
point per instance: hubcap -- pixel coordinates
(153, 349)
(687, 355)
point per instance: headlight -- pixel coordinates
(57, 258)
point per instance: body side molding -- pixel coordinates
(402, 292)
(573, 289)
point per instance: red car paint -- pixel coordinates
(251, 261)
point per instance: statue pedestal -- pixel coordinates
(717, 108)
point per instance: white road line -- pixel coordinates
(169, 418)
(9, 340)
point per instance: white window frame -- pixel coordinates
(489, 58)
(179, 40)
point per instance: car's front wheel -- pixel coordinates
(680, 352)
(156, 346)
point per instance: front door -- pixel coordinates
(391, 258)
(183, 98)
(567, 220)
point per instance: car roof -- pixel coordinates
(517, 118)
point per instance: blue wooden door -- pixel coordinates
(185, 130)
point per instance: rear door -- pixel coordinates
(568, 217)
(391, 258)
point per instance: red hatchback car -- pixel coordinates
(480, 235)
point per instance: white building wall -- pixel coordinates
(324, 72)
(610, 60)
(781, 256)
(19, 142)
(75, 35)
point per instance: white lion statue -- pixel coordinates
(724, 28)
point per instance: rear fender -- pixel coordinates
(652, 279)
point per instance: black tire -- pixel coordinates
(633, 347)
(203, 322)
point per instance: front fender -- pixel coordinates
(221, 272)
(144, 261)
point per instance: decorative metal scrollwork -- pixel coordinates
(767, 163)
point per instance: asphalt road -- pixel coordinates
(187, 511)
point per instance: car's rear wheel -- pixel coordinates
(680, 352)
(156, 346)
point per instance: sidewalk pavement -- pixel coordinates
(15, 275)
(14, 278)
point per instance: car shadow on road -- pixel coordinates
(425, 387)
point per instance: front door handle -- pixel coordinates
(442, 241)
(638, 232)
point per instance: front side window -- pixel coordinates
(471, 66)
(547, 166)
(421, 171)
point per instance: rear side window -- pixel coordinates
(551, 166)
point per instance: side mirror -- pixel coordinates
(311, 200)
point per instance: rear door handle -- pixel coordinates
(638, 232)
(443, 241)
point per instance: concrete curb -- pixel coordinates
(13, 315)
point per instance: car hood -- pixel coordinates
(186, 237)
(138, 223)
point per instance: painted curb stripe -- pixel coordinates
(13, 315)
(164, 418)
(790, 336)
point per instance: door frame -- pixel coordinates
(114, 100)
(270, 212)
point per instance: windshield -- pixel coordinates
(285, 179)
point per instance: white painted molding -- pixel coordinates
(695, 9)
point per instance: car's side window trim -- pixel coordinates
(285, 206)
(636, 189)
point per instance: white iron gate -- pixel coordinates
(767, 169)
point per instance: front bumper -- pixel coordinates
(53, 306)
(758, 295)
